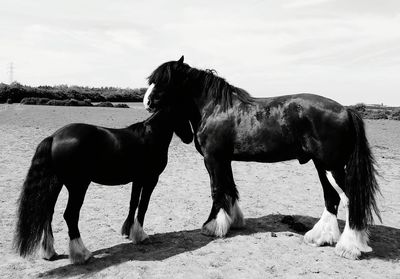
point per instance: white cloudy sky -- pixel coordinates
(348, 50)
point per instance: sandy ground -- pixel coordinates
(180, 204)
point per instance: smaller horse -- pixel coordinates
(78, 154)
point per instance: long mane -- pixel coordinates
(206, 82)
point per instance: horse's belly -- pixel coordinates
(264, 157)
(266, 151)
(111, 179)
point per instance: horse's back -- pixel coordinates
(91, 153)
(105, 155)
(304, 100)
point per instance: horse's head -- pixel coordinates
(166, 86)
(183, 129)
(165, 120)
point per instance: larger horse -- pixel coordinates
(229, 124)
(78, 154)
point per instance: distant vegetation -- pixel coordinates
(63, 95)
(68, 102)
(76, 95)
(377, 111)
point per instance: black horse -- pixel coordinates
(78, 154)
(229, 124)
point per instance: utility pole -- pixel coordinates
(11, 72)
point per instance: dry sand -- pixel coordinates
(181, 203)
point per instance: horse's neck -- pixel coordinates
(160, 123)
(203, 105)
(202, 84)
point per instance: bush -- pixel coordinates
(72, 103)
(42, 101)
(56, 103)
(360, 107)
(121, 106)
(379, 114)
(396, 114)
(87, 103)
(104, 104)
(34, 101)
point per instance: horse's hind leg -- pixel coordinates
(77, 250)
(137, 234)
(326, 230)
(47, 250)
(352, 241)
(135, 195)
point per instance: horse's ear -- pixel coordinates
(180, 61)
(183, 130)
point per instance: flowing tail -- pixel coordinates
(37, 200)
(361, 184)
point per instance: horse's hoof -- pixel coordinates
(352, 243)
(51, 258)
(141, 239)
(137, 234)
(351, 253)
(78, 254)
(325, 231)
(219, 226)
(48, 253)
(81, 258)
(206, 231)
(321, 238)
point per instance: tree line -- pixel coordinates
(83, 96)
(377, 111)
(16, 92)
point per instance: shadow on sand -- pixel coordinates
(385, 242)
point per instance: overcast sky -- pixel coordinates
(348, 50)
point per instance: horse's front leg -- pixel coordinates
(137, 234)
(135, 195)
(225, 211)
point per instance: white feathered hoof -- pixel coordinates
(219, 226)
(352, 243)
(325, 231)
(137, 234)
(78, 254)
(47, 251)
(238, 221)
